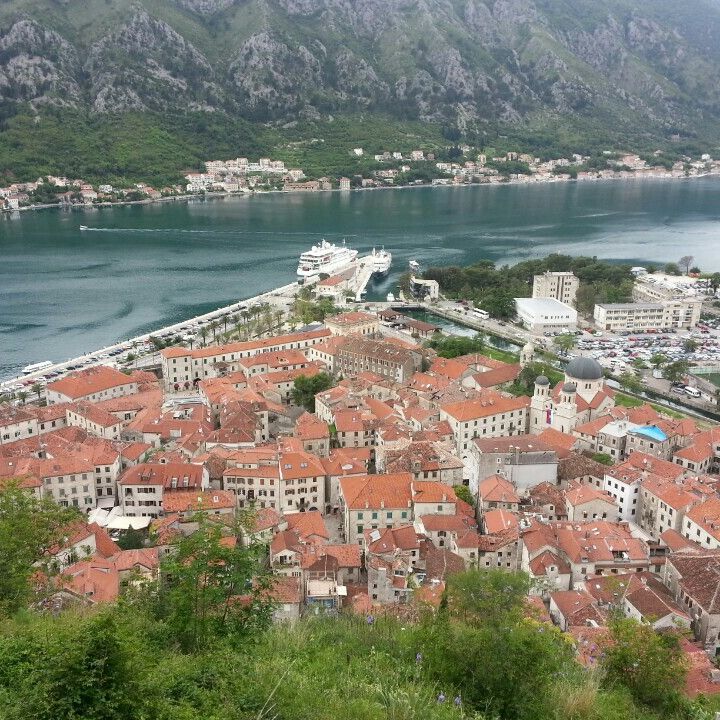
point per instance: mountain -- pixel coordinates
(604, 66)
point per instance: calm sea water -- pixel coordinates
(64, 292)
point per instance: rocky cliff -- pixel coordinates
(456, 61)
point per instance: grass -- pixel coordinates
(714, 378)
(502, 355)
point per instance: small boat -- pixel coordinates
(83, 227)
(390, 297)
(414, 266)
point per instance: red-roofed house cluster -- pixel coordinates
(357, 501)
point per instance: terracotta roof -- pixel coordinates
(490, 404)
(441, 562)
(576, 466)
(178, 501)
(127, 560)
(375, 491)
(497, 489)
(96, 580)
(577, 495)
(541, 563)
(699, 576)
(707, 516)
(89, 382)
(498, 520)
(163, 474)
(311, 427)
(402, 538)
(307, 524)
(577, 607)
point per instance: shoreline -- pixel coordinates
(449, 184)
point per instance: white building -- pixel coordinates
(542, 315)
(636, 317)
(562, 286)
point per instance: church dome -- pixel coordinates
(584, 368)
(569, 387)
(541, 380)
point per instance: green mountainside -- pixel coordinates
(547, 73)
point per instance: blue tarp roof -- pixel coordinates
(653, 432)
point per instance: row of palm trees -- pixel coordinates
(249, 323)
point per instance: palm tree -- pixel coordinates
(22, 395)
(279, 317)
(37, 388)
(214, 325)
(245, 316)
(203, 335)
(225, 319)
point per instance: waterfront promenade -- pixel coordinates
(280, 298)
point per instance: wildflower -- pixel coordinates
(441, 698)
(458, 701)
(418, 658)
(370, 619)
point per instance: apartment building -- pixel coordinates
(637, 317)
(94, 384)
(181, 366)
(142, 487)
(490, 415)
(358, 355)
(562, 286)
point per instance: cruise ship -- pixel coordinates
(325, 258)
(381, 262)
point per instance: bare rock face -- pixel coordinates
(447, 60)
(146, 64)
(38, 66)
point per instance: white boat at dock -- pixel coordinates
(381, 261)
(325, 258)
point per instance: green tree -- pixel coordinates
(80, 671)
(212, 589)
(685, 262)
(213, 327)
(37, 388)
(658, 360)
(566, 341)
(586, 299)
(28, 529)
(463, 492)
(203, 335)
(500, 303)
(22, 396)
(676, 371)
(648, 663)
(631, 382)
(690, 345)
(452, 346)
(502, 664)
(603, 458)
(306, 388)
(672, 269)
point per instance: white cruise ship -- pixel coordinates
(381, 261)
(325, 258)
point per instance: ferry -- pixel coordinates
(36, 367)
(381, 262)
(325, 258)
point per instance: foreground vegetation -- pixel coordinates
(477, 657)
(200, 644)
